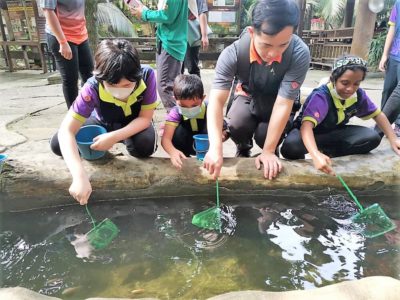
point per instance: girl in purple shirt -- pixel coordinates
(321, 129)
(121, 96)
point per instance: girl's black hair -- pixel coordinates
(347, 62)
(188, 87)
(272, 16)
(117, 59)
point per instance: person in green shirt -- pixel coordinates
(172, 22)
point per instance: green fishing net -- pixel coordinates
(373, 221)
(209, 219)
(102, 234)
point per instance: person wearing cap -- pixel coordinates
(270, 63)
(322, 128)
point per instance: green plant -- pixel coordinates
(376, 49)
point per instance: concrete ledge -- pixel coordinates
(43, 181)
(369, 288)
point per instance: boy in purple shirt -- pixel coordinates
(187, 118)
(121, 96)
(321, 128)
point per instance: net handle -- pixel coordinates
(90, 215)
(350, 192)
(217, 196)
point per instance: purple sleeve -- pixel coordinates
(174, 115)
(150, 94)
(86, 101)
(317, 108)
(365, 106)
(393, 15)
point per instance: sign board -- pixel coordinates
(22, 18)
(224, 16)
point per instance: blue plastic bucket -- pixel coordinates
(84, 138)
(201, 145)
(3, 158)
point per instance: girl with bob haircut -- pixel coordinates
(121, 97)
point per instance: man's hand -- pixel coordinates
(213, 163)
(103, 142)
(65, 51)
(81, 189)
(272, 164)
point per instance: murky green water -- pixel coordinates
(269, 243)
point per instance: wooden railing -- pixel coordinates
(147, 47)
(326, 45)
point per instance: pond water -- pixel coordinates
(273, 243)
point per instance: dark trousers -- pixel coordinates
(391, 108)
(243, 125)
(168, 68)
(392, 80)
(142, 144)
(192, 60)
(346, 140)
(81, 63)
(183, 140)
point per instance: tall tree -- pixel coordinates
(349, 13)
(91, 23)
(363, 30)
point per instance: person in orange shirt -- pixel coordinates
(67, 39)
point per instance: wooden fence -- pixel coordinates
(326, 45)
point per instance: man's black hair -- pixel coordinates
(272, 16)
(117, 59)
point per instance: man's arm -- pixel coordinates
(213, 160)
(386, 49)
(279, 117)
(288, 91)
(224, 74)
(203, 30)
(166, 16)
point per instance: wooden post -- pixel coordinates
(41, 46)
(363, 30)
(11, 37)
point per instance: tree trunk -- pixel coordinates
(91, 23)
(302, 7)
(363, 30)
(348, 17)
